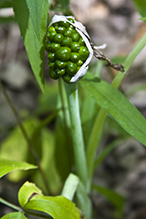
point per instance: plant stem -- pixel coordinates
(32, 150)
(10, 205)
(76, 129)
(129, 60)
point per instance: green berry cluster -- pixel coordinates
(66, 49)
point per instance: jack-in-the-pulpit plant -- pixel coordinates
(70, 50)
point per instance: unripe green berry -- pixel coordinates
(74, 57)
(51, 65)
(58, 38)
(75, 46)
(47, 46)
(53, 74)
(71, 27)
(80, 62)
(66, 42)
(71, 20)
(60, 72)
(76, 36)
(67, 78)
(55, 25)
(64, 24)
(61, 30)
(84, 53)
(59, 64)
(51, 35)
(51, 56)
(63, 54)
(50, 29)
(68, 33)
(81, 42)
(54, 47)
(71, 68)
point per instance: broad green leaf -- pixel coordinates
(7, 166)
(58, 207)
(5, 3)
(16, 145)
(47, 102)
(4, 20)
(14, 215)
(38, 13)
(32, 19)
(117, 105)
(31, 198)
(115, 198)
(27, 191)
(140, 6)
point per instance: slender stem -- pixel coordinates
(31, 148)
(76, 129)
(10, 205)
(129, 60)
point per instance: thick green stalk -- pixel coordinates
(76, 129)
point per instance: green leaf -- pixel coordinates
(58, 207)
(140, 6)
(31, 198)
(16, 145)
(32, 19)
(7, 166)
(70, 186)
(115, 198)
(14, 215)
(74, 185)
(4, 20)
(5, 3)
(27, 191)
(104, 153)
(48, 163)
(38, 12)
(143, 18)
(117, 105)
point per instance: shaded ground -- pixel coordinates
(114, 22)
